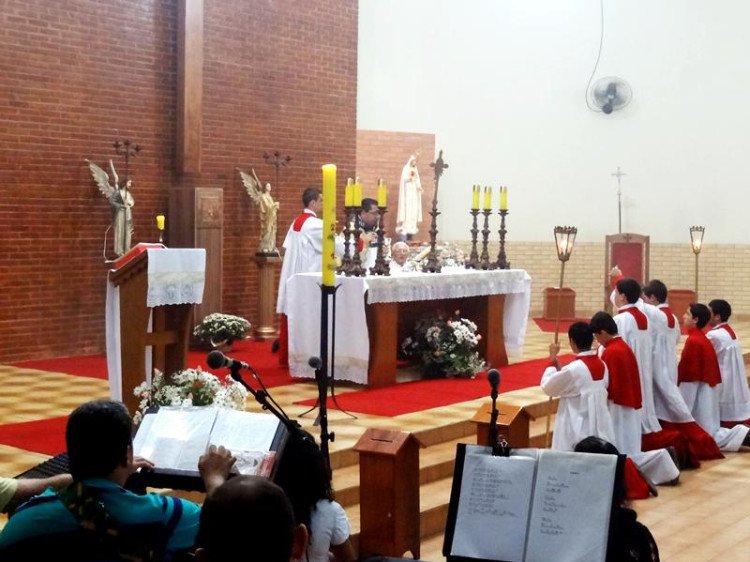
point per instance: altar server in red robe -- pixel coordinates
(669, 404)
(303, 254)
(582, 388)
(699, 378)
(625, 402)
(734, 396)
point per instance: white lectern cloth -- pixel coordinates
(175, 276)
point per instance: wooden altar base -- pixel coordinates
(392, 322)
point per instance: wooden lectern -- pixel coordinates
(169, 337)
(512, 424)
(388, 492)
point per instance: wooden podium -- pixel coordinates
(388, 492)
(512, 424)
(169, 336)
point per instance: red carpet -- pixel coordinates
(45, 436)
(409, 397)
(257, 354)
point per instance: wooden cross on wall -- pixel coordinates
(189, 85)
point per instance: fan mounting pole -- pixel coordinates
(618, 174)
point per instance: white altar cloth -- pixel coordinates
(352, 353)
(175, 276)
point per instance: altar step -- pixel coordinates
(436, 465)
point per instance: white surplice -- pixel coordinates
(734, 396)
(303, 254)
(582, 409)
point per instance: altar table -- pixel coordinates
(374, 314)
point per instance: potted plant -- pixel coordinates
(217, 329)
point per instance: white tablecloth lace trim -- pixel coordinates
(176, 276)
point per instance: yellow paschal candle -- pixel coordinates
(475, 197)
(329, 224)
(487, 198)
(160, 222)
(504, 198)
(349, 192)
(382, 194)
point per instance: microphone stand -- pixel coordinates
(492, 432)
(262, 397)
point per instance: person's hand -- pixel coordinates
(554, 349)
(143, 464)
(615, 271)
(214, 466)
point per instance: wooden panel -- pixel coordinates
(189, 85)
(630, 252)
(209, 213)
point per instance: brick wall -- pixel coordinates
(383, 154)
(79, 74)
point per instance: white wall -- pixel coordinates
(501, 83)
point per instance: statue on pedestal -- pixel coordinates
(122, 204)
(269, 211)
(409, 200)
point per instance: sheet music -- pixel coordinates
(247, 435)
(175, 438)
(571, 507)
(493, 508)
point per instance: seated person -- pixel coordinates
(629, 540)
(303, 474)
(95, 514)
(399, 256)
(250, 515)
(582, 388)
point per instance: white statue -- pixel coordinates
(122, 205)
(409, 200)
(269, 211)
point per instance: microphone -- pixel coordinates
(493, 376)
(216, 360)
(315, 362)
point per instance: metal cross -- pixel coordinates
(619, 174)
(277, 161)
(129, 150)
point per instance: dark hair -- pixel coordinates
(630, 288)
(722, 308)
(309, 195)
(581, 334)
(303, 474)
(368, 203)
(594, 444)
(247, 512)
(603, 322)
(98, 435)
(656, 289)
(700, 313)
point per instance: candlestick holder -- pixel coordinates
(381, 266)
(502, 260)
(484, 259)
(356, 269)
(346, 259)
(473, 261)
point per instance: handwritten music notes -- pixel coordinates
(534, 506)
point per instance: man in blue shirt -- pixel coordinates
(99, 441)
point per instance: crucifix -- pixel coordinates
(127, 149)
(619, 174)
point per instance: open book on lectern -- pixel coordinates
(535, 505)
(174, 438)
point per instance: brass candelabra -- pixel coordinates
(484, 259)
(502, 260)
(473, 261)
(381, 266)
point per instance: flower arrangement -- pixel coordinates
(446, 346)
(217, 328)
(189, 387)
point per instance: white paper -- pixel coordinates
(249, 436)
(571, 507)
(493, 508)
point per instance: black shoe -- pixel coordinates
(746, 440)
(275, 346)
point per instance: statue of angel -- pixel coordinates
(122, 204)
(269, 211)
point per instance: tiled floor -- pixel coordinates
(705, 517)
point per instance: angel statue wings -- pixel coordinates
(122, 205)
(269, 211)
